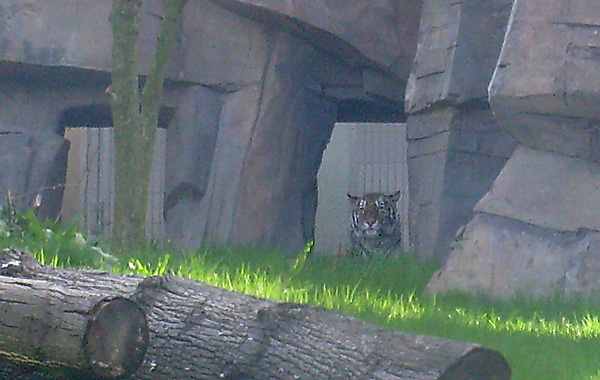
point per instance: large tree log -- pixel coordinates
(197, 331)
(48, 326)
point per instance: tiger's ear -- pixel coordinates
(353, 198)
(396, 196)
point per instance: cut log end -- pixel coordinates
(116, 338)
(479, 363)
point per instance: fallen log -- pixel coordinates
(197, 331)
(43, 325)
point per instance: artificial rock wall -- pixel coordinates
(272, 76)
(255, 87)
(456, 146)
(536, 231)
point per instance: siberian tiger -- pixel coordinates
(375, 227)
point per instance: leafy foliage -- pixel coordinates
(53, 243)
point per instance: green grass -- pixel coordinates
(545, 339)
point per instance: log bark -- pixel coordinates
(197, 331)
(67, 332)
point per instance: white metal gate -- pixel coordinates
(378, 159)
(89, 191)
(360, 158)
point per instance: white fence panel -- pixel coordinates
(89, 193)
(360, 158)
(156, 193)
(379, 162)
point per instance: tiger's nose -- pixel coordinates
(370, 223)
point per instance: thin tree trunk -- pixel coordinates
(198, 332)
(135, 116)
(130, 186)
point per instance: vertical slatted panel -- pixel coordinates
(91, 170)
(379, 157)
(156, 192)
(74, 187)
(106, 179)
(332, 220)
(379, 163)
(90, 175)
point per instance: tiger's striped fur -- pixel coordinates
(375, 227)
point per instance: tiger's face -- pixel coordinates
(375, 224)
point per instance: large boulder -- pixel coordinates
(536, 233)
(546, 83)
(546, 189)
(503, 258)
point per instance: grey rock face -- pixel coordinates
(31, 165)
(378, 34)
(190, 153)
(380, 31)
(44, 33)
(224, 51)
(505, 258)
(546, 189)
(255, 88)
(71, 33)
(264, 143)
(458, 46)
(288, 137)
(456, 147)
(536, 233)
(545, 86)
(454, 156)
